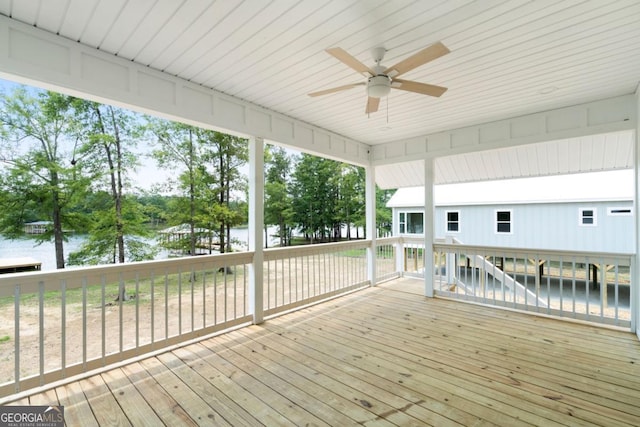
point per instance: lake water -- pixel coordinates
(46, 255)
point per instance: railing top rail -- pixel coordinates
(304, 250)
(540, 253)
(387, 240)
(114, 272)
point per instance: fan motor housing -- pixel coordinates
(378, 86)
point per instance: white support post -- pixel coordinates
(399, 252)
(450, 264)
(256, 226)
(370, 213)
(635, 264)
(428, 226)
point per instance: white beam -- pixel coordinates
(635, 278)
(370, 214)
(39, 58)
(256, 226)
(598, 117)
(428, 226)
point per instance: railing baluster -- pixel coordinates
(192, 279)
(561, 284)
(180, 301)
(204, 296)
(103, 323)
(224, 274)
(292, 297)
(153, 307)
(41, 332)
(137, 310)
(63, 326)
(573, 287)
(235, 294)
(603, 289)
(84, 323)
(121, 297)
(16, 338)
(245, 289)
(615, 289)
(215, 295)
(166, 306)
(548, 286)
(586, 285)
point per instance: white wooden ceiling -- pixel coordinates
(508, 57)
(505, 54)
(592, 153)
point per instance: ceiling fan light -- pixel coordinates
(378, 86)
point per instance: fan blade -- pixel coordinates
(430, 53)
(335, 89)
(344, 57)
(417, 87)
(372, 105)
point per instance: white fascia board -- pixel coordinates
(598, 117)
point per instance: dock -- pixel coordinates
(18, 265)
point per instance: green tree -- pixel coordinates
(117, 232)
(43, 178)
(278, 208)
(177, 146)
(383, 213)
(351, 205)
(315, 189)
(224, 155)
(209, 163)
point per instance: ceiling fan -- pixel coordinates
(381, 80)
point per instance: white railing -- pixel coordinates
(295, 276)
(387, 267)
(63, 323)
(594, 287)
(55, 325)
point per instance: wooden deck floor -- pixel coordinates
(382, 356)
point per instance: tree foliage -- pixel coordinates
(117, 232)
(70, 162)
(278, 209)
(42, 179)
(208, 177)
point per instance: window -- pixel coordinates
(619, 211)
(588, 217)
(453, 221)
(411, 223)
(503, 221)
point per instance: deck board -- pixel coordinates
(383, 356)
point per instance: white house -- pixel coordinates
(582, 212)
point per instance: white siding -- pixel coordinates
(543, 226)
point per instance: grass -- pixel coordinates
(5, 338)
